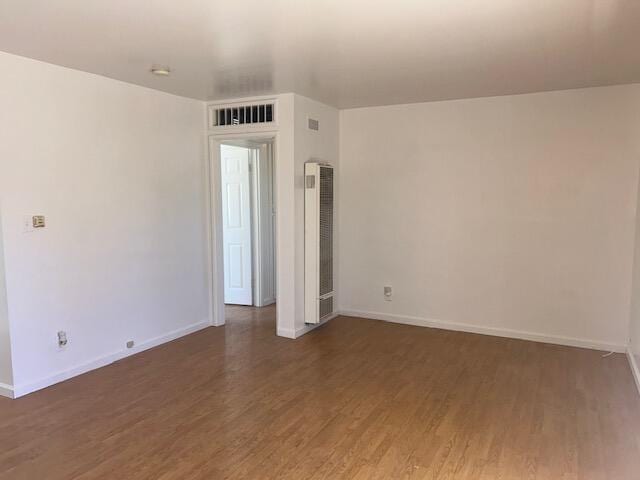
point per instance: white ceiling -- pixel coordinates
(346, 53)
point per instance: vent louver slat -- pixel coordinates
(326, 307)
(326, 230)
(261, 113)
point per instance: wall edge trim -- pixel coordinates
(634, 368)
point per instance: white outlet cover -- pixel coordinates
(388, 293)
(63, 340)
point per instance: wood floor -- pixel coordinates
(353, 399)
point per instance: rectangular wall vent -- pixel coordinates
(257, 113)
(313, 124)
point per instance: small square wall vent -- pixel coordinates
(313, 124)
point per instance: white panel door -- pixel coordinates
(236, 218)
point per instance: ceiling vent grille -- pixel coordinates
(258, 113)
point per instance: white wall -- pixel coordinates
(321, 145)
(285, 216)
(634, 323)
(511, 213)
(6, 373)
(117, 170)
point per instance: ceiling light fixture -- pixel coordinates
(160, 70)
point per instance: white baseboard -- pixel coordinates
(286, 332)
(298, 332)
(265, 302)
(167, 337)
(6, 390)
(496, 332)
(24, 389)
(307, 328)
(634, 368)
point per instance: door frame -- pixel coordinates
(214, 218)
(259, 241)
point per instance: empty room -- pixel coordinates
(340, 239)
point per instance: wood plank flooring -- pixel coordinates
(355, 399)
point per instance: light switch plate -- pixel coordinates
(38, 221)
(62, 339)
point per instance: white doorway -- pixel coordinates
(248, 222)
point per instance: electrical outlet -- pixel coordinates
(130, 344)
(62, 339)
(388, 293)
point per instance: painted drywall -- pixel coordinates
(6, 372)
(634, 320)
(511, 213)
(285, 194)
(311, 145)
(118, 172)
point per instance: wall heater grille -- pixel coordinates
(319, 213)
(326, 307)
(326, 230)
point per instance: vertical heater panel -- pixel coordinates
(326, 231)
(319, 218)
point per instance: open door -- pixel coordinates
(236, 218)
